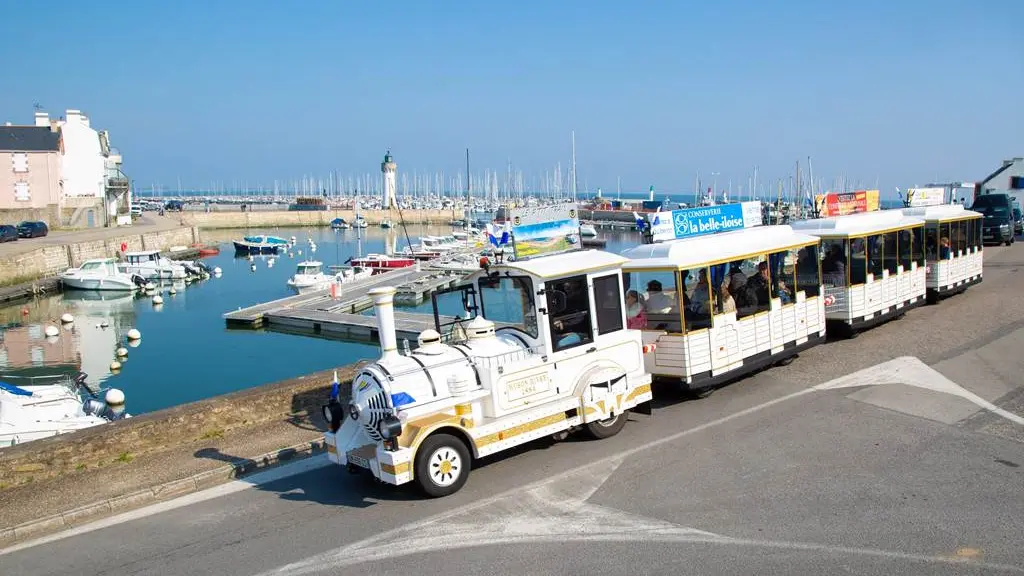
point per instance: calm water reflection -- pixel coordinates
(186, 353)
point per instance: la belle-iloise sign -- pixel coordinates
(690, 222)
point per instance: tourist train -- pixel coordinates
(563, 339)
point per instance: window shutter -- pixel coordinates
(21, 191)
(20, 161)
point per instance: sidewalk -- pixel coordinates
(150, 222)
(109, 488)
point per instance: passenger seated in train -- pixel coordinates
(636, 317)
(833, 267)
(944, 252)
(758, 283)
(728, 302)
(700, 300)
(736, 279)
(657, 301)
(564, 337)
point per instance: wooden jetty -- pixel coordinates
(314, 311)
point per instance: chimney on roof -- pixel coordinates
(42, 119)
(76, 117)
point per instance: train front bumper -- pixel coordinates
(352, 448)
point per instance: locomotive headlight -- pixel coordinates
(353, 411)
(390, 427)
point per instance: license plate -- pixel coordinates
(358, 461)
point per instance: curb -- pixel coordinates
(157, 493)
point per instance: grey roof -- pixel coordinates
(29, 139)
(992, 176)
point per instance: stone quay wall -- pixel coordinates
(302, 218)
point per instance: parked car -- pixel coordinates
(174, 206)
(8, 233)
(998, 226)
(1018, 221)
(32, 229)
(136, 210)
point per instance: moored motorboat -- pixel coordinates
(33, 412)
(383, 261)
(349, 274)
(339, 224)
(100, 274)
(260, 244)
(309, 277)
(151, 265)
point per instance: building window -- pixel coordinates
(20, 161)
(21, 191)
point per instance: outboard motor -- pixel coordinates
(138, 280)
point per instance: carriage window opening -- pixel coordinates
(697, 302)
(978, 243)
(876, 251)
(917, 248)
(782, 266)
(833, 262)
(905, 245)
(747, 284)
(858, 260)
(945, 246)
(652, 301)
(890, 257)
(608, 303)
(968, 235)
(808, 273)
(568, 302)
(932, 242)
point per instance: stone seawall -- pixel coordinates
(296, 401)
(50, 260)
(284, 218)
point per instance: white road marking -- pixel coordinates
(911, 371)
(232, 487)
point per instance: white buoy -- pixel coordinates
(312, 248)
(293, 239)
(104, 324)
(115, 366)
(251, 258)
(51, 331)
(67, 318)
(300, 252)
(122, 352)
(134, 334)
(134, 343)
(217, 271)
(114, 397)
(150, 286)
(172, 291)
(158, 300)
(252, 267)
(270, 264)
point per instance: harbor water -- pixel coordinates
(186, 353)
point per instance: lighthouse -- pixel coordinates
(387, 172)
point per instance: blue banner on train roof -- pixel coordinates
(690, 222)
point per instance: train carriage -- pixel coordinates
(953, 248)
(873, 266)
(718, 306)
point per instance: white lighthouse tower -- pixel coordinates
(388, 168)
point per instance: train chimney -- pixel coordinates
(384, 309)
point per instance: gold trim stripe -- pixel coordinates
(396, 469)
(520, 429)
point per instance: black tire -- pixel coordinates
(1008, 242)
(701, 393)
(431, 476)
(608, 427)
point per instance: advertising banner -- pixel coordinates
(843, 203)
(541, 230)
(926, 196)
(690, 222)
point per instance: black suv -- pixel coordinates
(998, 225)
(8, 233)
(32, 229)
(1018, 221)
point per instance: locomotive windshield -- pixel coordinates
(507, 301)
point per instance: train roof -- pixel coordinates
(715, 248)
(942, 213)
(857, 224)
(578, 261)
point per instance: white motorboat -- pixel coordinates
(467, 263)
(360, 222)
(152, 266)
(588, 231)
(100, 274)
(32, 412)
(309, 277)
(349, 274)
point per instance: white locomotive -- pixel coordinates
(523, 350)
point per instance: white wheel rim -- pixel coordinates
(608, 422)
(445, 466)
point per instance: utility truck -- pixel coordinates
(521, 350)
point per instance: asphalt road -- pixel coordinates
(901, 451)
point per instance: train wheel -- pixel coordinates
(608, 427)
(442, 465)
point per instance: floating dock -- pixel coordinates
(317, 312)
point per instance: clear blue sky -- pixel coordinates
(905, 91)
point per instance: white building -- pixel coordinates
(388, 169)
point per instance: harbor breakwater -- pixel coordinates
(49, 260)
(296, 401)
(303, 218)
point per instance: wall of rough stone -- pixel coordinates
(267, 218)
(297, 401)
(49, 260)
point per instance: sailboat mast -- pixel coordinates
(469, 192)
(574, 166)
